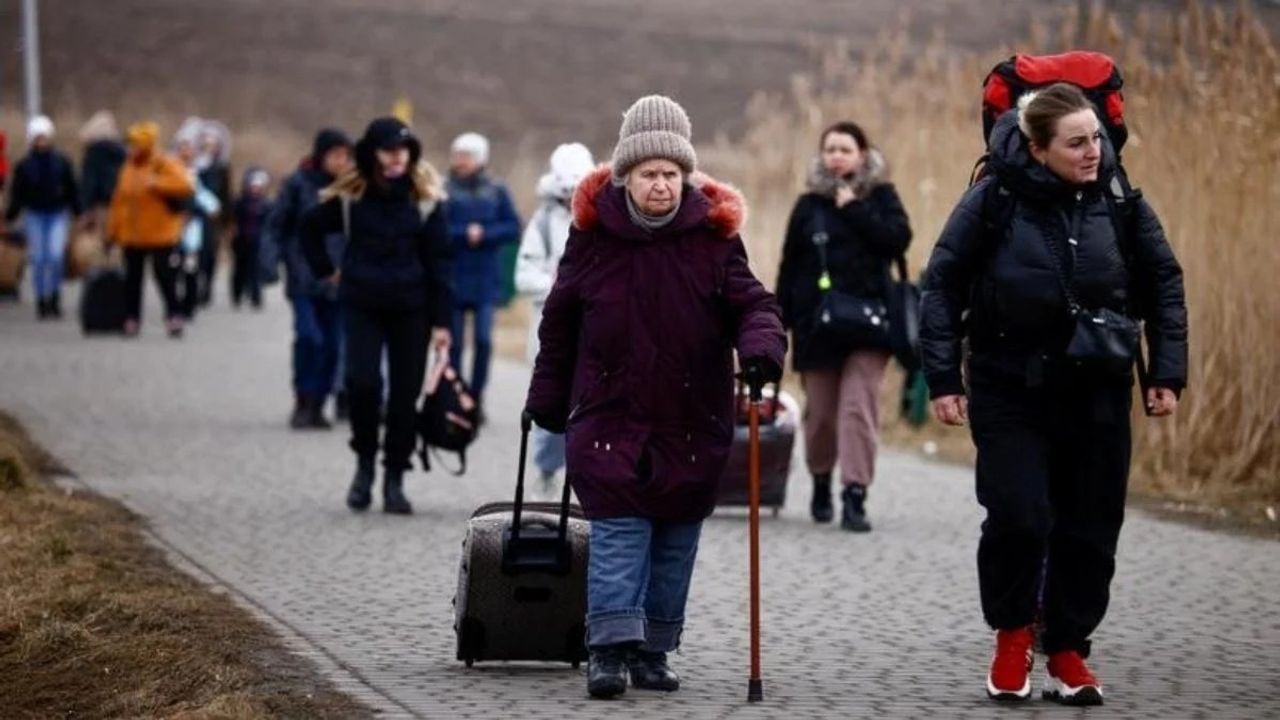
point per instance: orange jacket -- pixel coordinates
(142, 214)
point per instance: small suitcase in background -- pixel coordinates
(102, 301)
(13, 263)
(522, 580)
(779, 416)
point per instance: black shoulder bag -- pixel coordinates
(843, 320)
(1103, 340)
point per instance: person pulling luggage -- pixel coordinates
(636, 367)
(394, 285)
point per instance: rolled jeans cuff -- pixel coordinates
(663, 635)
(612, 627)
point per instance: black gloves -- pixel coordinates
(758, 372)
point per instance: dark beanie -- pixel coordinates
(326, 140)
(385, 133)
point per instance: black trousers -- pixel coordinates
(403, 335)
(245, 278)
(162, 266)
(1052, 473)
(187, 282)
(207, 265)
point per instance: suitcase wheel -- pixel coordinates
(470, 662)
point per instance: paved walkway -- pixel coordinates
(192, 435)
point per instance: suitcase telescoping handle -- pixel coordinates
(531, 548)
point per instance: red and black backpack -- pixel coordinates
(1093, 72)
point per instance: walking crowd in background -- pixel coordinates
(646, 316)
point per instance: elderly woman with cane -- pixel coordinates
(636, 366)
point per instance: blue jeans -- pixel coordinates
(548, 451)
(483, 347)
(638, 581)
(47, 238)
(317, 340)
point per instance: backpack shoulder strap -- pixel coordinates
(346, 217)
(544, 229)
(1122, 198)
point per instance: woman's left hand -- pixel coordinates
(1161, 402)
(844, 195)
(441, 339)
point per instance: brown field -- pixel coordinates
(95, 623)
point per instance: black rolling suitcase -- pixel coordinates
(777, 440)
(102, 302)
(522, 580)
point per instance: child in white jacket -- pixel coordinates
(541, 247)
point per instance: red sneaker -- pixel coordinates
(1010, 675)
(1070, 682)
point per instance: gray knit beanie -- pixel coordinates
(654, 127)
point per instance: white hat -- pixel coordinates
(569, 164)
(473, 144)
(39, 126)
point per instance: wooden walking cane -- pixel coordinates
(755, 686)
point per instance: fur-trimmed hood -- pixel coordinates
(873, 173)
(706, 200)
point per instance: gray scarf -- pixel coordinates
(649, 222)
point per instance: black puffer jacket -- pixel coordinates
(864, 238)
(395, 259)
(993, 261)
(44, 182)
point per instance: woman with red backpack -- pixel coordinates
(1046, 274)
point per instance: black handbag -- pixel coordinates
(904, 317)
(1102, 340)
(844, 320)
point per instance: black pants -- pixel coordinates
(245, 280)
(403, 335)
(1053, 467)
(208, 263)
(187, 282)
(162, 266)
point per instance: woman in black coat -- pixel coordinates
(1033, 252)
(394, 286)
(844, 233)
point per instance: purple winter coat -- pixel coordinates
(636, 363)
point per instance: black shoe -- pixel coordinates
(649, 671)
(821, 507)
(315, 415)
(854, 515)
(360, 495)
(42, 309)
(341, 407)
(393, 499)
(298, 420)
(607, 671)
(55, 305)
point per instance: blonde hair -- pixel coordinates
(427, 184)
(1040, 110)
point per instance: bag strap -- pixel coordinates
(544, 229)
(346, 217)
(526, 425)
(821, 238)
(1073, 222)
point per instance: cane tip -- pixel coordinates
(755, 691)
